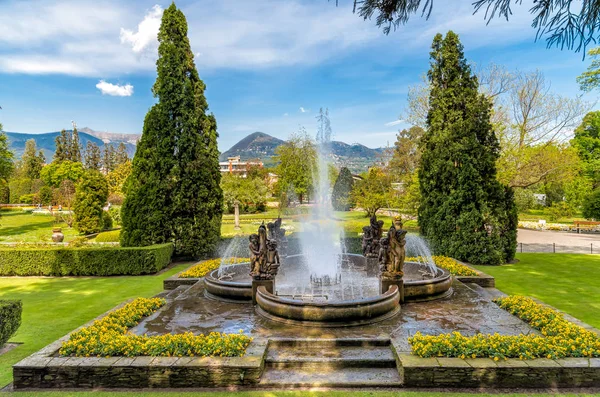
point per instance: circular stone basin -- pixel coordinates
(360, 280)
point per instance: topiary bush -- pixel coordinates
(10, 319)
(107, 221)
(84, 261)
(108, 237)
(90, 196)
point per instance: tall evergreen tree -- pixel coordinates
(90, 197)
(121, 156)
(63, 147)
(108, 158)
(465, 212)
(32, 161)
(75, 151)
(173, 193)
(340, 197)
(93, 159)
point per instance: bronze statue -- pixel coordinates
(264, 259)
(372, 235)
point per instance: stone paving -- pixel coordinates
(468, 311)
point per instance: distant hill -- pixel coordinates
(259, 145)
(46, 141)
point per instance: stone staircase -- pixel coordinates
(330, 363)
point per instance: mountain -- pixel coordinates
(259, 145)
(256, 145)
(46, 141)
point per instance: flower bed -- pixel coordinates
(455, 268)
(545, 226)
(560, 338)
(109, 337)
(201, 269)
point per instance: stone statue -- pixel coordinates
(264, 259)
(383, 259)
(393, 265)
(371, 237)
(277, 233)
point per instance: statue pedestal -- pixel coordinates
(268, 284)
(386, 283)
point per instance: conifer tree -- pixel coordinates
(465, 212)
(121, 156)
(93, 160)
(75, 151)
(90, 197)
(173, 193)
(32, 161)
(340, 197)
(63, 147)
(108, 159)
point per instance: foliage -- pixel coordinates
(524, 199)
(465, 212)
(65, 193)
(297, 160)
(559, 20)
(68, 147)
(591, 206)
(32, 161)
(203, 268)
(121, 156)
(107, 221)
(4, 192)
(108, 158)
(560, 210)
(109, 337)
(590, 79)
(10, 319)
(6, 157)
(173, 193)
(586, 141)
(115, 213)
(560, 338)
(84, 261)
(57, 171)
(342, 189)
(90, 197)
(93, 159)
(27, 199)
(373, 192)
(18, 188)
(455, 268)
(406, 154)
(117, 177)
(250, 192)
(108, 237)
(44, 196)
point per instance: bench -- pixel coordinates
(586, 225)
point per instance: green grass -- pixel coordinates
(569, 282)
(275, 393)
(17, 226)
(536, 215)
(52, 307)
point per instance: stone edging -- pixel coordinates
(174, 281)
(45, 369)
(482, 279)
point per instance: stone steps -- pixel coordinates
(330, 363)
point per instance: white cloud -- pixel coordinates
(285, 114)
(145, 39)
(302, 110)
(392, 123)
(114, 89)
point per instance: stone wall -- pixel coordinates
(482, 279)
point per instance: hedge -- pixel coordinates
(10, 319)
(108, 237)
(84, 261)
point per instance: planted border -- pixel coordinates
(203, 268)
(84, 261)
(109, 337)
(455, 268)
(560, 338)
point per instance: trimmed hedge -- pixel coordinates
(10, 319)
(108, 237)
(84, 261)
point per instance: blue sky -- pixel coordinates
(269, 65)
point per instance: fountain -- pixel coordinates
(322, 285)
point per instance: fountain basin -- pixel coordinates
(334, 314)
(236, 286)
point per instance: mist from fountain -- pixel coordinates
(236, 249)
(417, 247)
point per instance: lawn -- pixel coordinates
(52, 307)
(17, 226)
(569, 282)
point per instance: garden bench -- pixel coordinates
(586, 225)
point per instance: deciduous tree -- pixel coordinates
(373, 192)
(297, 160)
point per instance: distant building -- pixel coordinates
(235, 166)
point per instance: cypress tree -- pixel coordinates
(63, 146)
(90, 196)
(340, 197)
(93, 160)
(465, 212)
(121, 156)
(173, 193)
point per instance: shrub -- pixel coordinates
(84, 261)
(27, 199)
(342, 188)
(4, 192)
(201, 269)
(560, 338)
(18, 188)
(591, 206)
(45, 195)
(115, 213)
(107, 221)
(10, 319)
(90, 196)
(108, 237)
(108, 337)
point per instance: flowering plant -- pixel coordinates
(445, 262)
(202, 268)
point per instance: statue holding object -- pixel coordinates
(372, 235)
(264, 258)
(393, 252)
(277, 233)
